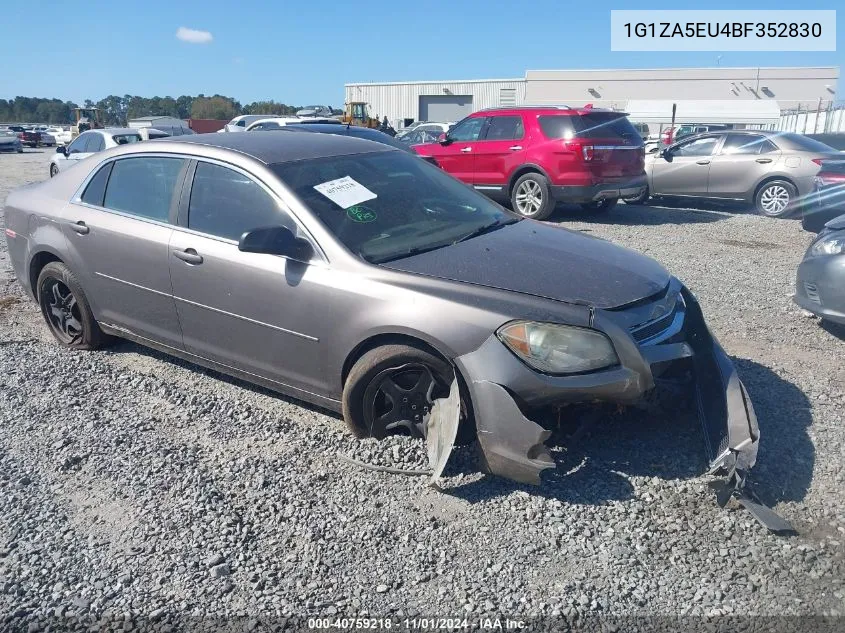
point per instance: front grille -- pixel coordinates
(812, 292)
(662, 327)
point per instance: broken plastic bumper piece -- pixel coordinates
(513, 446)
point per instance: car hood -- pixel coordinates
(836, 223)
(545, 261)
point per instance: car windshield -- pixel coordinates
(388, 205)
(123, 139)
(7, 133)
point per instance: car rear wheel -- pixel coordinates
(776, 199)
(531, 197)
(65, 308)
(391, 390)
(600, 206)
(53, 170)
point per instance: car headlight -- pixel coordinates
(832, 244)
(558, 349)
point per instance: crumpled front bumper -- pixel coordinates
(501, 387)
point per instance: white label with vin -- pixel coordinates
(345, 192)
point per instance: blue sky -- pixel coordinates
(303, 51)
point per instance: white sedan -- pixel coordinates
(89, 143)
(274, 123)
(62, 136)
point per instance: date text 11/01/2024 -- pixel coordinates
(723, 29)
(415, 624)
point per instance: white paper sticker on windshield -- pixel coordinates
(345, 192)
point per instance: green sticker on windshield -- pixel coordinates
(358, 213)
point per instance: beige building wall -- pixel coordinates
(790, 87)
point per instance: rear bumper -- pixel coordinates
(628, 188)
(820, 287)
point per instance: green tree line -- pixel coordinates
(118, 110)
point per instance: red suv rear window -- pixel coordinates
(603, 125)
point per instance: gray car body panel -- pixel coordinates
(820, 281)
(337, 305)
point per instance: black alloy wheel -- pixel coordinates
(398, 400)
(62, 311)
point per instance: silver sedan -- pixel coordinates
(771, 170)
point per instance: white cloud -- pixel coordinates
(193, 36)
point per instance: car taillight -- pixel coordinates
(817, 161)
(587, 151)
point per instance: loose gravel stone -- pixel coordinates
(129, 481)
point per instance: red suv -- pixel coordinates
(537, 156)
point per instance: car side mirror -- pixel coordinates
(276, 240)
(61, 149)
(444, 139)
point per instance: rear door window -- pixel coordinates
(144, 187)
(505, 128)
(746, 144)
(96, 189)
(225, 203)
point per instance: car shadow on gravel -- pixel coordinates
(597, 469)
(128, 347)
(639, 215)
(834, 329)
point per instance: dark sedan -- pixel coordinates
(352, 275)
(827, 201)
(368, 134)
(9, 142)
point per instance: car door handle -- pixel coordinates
(466, 149)
(515, 148)
(80, 227)
(189, 255)
(702, 162)
(764, 160)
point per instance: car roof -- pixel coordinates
(114, 130)
(351, 131)
(270, 148)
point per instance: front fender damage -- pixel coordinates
(513, 446)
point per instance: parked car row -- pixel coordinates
(538, 156)
(245, 121)
(39, 135)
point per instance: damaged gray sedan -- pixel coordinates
(365, 280)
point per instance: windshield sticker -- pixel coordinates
(358, 213)
(345, 192)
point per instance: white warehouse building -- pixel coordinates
(790, 87)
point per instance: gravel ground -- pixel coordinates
(134, 486)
